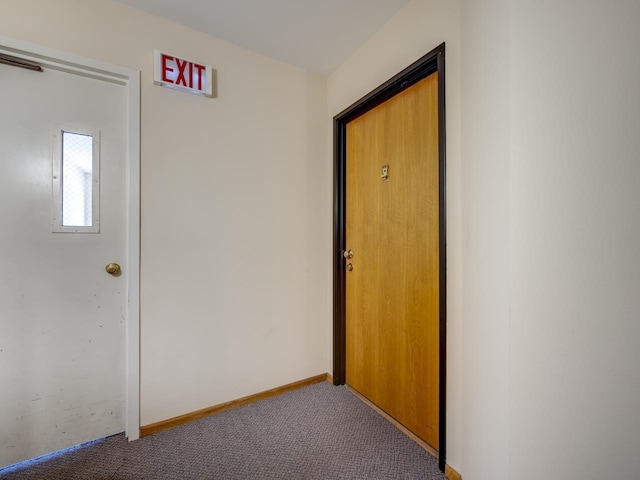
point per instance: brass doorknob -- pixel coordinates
(113, 268)
(347, 254)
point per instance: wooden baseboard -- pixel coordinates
(223, 407)
(451, 474)
(396, 423)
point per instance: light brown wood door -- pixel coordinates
(392, 227)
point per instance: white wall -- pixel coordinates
(415, 30)
(485, 251)
(575, 239)
(551, 263)
(233, 287)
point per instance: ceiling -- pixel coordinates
(317, 35)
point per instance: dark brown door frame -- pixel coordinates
(432, 62)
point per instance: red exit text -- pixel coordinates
(176, 72)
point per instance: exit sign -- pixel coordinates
(181, 74)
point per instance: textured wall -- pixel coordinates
(575, 239)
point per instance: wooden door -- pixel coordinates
(392, 228)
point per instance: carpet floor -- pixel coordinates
(317, 432)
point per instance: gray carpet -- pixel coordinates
(317, 432)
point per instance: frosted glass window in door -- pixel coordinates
(77, 180)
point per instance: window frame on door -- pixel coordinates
(57, 177)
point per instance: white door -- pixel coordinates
(61, 314)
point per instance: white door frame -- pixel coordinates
(130, 80)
